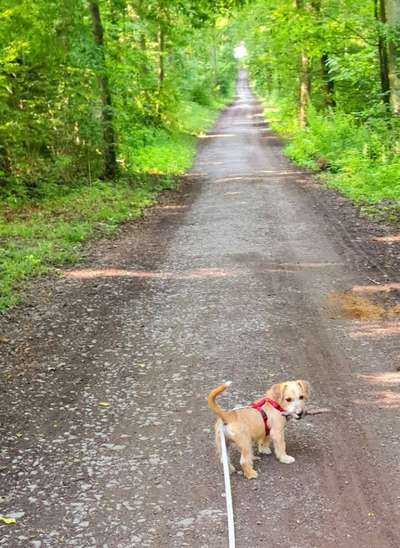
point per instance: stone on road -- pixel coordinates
(106, 437)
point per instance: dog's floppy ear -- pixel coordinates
(277, 391)
(305, 386)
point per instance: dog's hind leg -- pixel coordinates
(246, 459)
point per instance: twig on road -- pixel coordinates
(318, 411)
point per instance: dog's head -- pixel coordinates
(291, 396)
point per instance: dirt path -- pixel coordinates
(106, 437)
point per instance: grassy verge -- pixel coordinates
(50, 230)
(360, 158)
(163, 150)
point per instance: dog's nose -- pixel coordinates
(300, 414)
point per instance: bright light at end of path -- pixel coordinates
(240, 51)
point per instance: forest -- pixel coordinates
(101, 102)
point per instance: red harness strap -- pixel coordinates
(258, 406)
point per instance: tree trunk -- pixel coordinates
(161, 58)
(380, 15)
(328, 82)
(305, 88)
(5, 164)
(305, 76)
(393, 19)
(110, 157)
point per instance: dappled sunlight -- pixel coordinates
(257, 115)
(215, 135)
(384, 378)
(385, 399)
(193, 174)
(258, 176)
(281, 172)
(376, 330)
(376, 288)
(232, 193)
(199, 273)
(170, 206)
(236, 178)
(311, 265)
(388, 394)
(389, 239)
(208, 163)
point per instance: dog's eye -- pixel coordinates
(301, 398)
(288, 399)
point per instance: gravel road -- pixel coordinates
(106, 439)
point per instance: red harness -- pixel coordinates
(258, 406)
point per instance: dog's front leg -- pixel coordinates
(278, 438)
(264, 446)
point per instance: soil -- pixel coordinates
(106, 437)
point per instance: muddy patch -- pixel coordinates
(352, 305)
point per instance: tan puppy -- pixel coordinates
(245, 426)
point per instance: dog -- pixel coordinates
(262, 423)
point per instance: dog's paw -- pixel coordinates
(264, 450)
(232, 469)
(287, 459)
(251, 475)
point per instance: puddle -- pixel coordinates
(349, 305)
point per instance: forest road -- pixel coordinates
(106, 438)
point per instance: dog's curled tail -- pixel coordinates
(212, 404)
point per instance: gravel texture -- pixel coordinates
(106, 437)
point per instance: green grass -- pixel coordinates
(35, 237)
(50, 231)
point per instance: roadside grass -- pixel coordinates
(49, 231)
(170, 150)
(359, 158)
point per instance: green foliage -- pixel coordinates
(350, 134)
(361, 159)
(168, 67)
(157, 56)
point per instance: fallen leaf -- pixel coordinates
(7, 520)
(104, 403)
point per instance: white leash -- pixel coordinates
(228, 493)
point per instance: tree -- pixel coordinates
(392, 12)
(110, 157)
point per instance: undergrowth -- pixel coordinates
(358, 157)
(48, 227)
